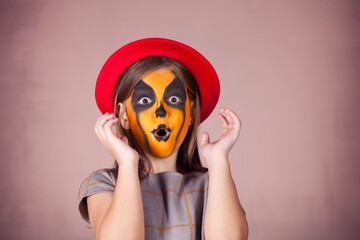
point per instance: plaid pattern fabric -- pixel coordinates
(174, 204)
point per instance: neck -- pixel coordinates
(163, 164)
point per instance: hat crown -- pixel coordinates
(203, 72)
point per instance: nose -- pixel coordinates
(160, 111)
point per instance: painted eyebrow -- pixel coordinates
(177, 85)
(143, 88)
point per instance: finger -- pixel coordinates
(105, 119)
(96, 128)
(109, 132)
(102, 123)
(235, 119)
(224, 122)
(205, 139)
(224, 114)
(108, 126)
(99, 119)
(228, 117)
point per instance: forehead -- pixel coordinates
(159, 79)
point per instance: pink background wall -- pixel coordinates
(290, 69)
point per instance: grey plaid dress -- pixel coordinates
(174, 204)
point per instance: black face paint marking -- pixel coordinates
(160, 112)
(142, 90)
(176, 88)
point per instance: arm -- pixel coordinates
(119, 215)
(224, 216)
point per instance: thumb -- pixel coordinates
(205, 139)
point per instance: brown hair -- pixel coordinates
(188, 159)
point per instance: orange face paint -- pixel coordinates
(159, 113)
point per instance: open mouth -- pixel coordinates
(162, 133)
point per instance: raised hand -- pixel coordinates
(117, 147)
(213, 151)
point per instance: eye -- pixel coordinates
(174, 99)
(144, 100)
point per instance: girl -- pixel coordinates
(156, 92)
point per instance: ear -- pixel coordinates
(191, 113)
(123, 117)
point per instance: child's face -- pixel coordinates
(159, 113)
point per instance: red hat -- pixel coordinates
(203, 72)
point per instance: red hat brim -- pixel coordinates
(203, 72)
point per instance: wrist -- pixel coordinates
(215, 156)
(218, 163)
(128, 164)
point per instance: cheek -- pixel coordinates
(187, 115)
(134, 125)
(179, 117)
(146, 120)
(181, 132)
(140, 123)
(132, 121)
(176, 117)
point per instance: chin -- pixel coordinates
(162, 150)
(161, 153)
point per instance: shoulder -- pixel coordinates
(99, 181)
